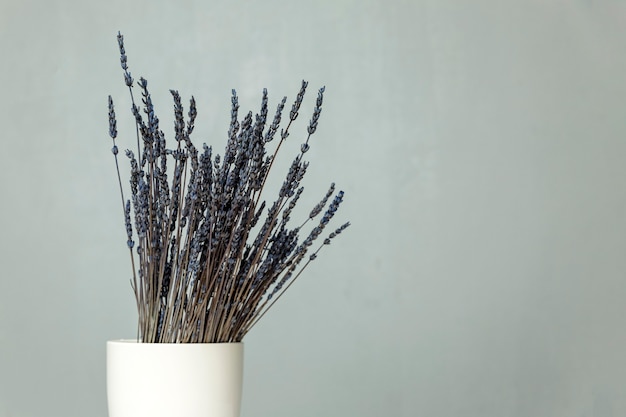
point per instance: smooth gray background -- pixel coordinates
(482, 148)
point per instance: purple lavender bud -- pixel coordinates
(276, 122)
(129, 227)
(192, 115)
(112, 120)
(128, 80)
(342, 228)
(114, 150)
(317, 111)
(261, 118)
(332, 208)
(320, 206)
(120, 42)
(179, 122)
(296, 105)
(302, 171)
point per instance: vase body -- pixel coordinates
(174, 379)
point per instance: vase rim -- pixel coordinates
(134, 341)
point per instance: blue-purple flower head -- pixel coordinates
(332, 209)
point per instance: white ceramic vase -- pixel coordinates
(174, 379)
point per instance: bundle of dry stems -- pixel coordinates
(204, 269)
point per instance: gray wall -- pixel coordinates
(481, 146)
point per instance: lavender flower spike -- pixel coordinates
(112, 121)
(128, 79)
(316, 112)
(296, 105)
(318, 208)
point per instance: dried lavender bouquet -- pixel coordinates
(208, 257)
